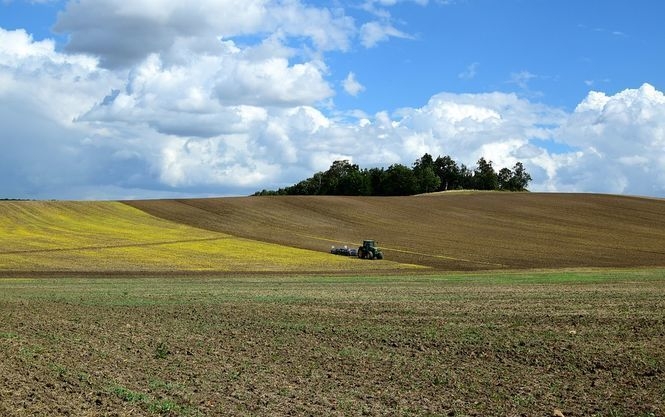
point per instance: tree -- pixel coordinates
(354, 182)
(400, 180)
(448, 172)
(505, 177)
(484, 176)
(427, 175)
(466, 181)
(424, 170)
(520, 179)
(376, 180)
(331, 179)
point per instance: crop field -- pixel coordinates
(113, 237)
(488, 304)
(450, 231)
(580, 343)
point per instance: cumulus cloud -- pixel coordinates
(621, 140)
(123, 33)
(165, 101)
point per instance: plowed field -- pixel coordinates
(493, 345)
(449, 231)
(234, 307)
(111, 237)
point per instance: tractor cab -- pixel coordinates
(369, 250)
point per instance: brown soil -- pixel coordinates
(392, 346)
(447, 231)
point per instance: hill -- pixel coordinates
(446, 231)
(111, 237)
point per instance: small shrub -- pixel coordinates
(162, 350)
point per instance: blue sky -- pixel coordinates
(553, 51)
(108, 99)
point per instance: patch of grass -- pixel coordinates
(59, 370)
(128, 395)
(162, 406)
(158, 384)
(162, 350)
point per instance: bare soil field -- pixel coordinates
(572, 344)
(447, 231)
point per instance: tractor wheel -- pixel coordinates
(370, 255)
(379, 255)
(360, 253)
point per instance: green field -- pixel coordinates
(586, 343)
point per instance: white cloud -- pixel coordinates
(272, 82)
(372, 33)
(470, 72)
(522, 79)
(162, 101)
(372, 5)
(123, 33)
(352, 86)
(621, 140)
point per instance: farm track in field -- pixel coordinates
(102, 247)
(446, 231)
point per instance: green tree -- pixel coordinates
(376, 180)
(466, 180)
(424, 170)
(342, 178)
(400, 180)
(448, 172)
(484, 176)
(505, 177)
(354, 182)
(520, 179)
(427, 175)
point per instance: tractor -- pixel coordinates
(369, 250)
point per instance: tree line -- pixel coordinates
(426, 175)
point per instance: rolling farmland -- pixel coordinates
(111, 237)
(440, 232)
(450, 231)
(488, 304)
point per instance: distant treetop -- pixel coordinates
(425, 176)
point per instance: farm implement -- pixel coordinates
(344, 251)
(368, 250)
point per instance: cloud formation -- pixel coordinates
(157, 100)
(621, 140)
(123, 33)
(351, 85)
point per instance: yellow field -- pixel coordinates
(111, 236)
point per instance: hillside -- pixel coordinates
(447, 231)
(110, 237)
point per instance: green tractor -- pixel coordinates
(369, 250)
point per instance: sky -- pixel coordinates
(110, 99)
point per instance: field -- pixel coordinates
(489, 304)
(587, 344)
(110, 237)
(451, 231)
